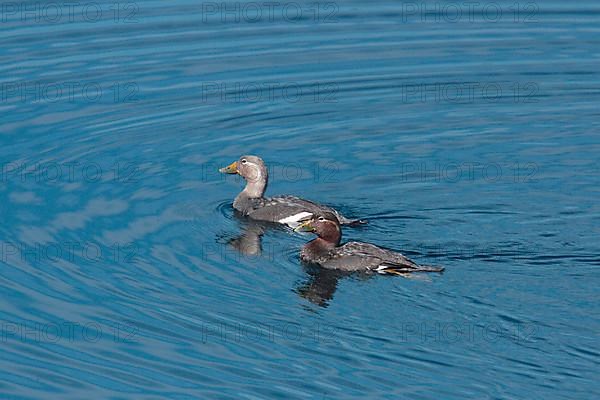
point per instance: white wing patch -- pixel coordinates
(294, 220)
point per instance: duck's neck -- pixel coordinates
(318, 247)
(255, 188)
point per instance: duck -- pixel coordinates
(326, 251)
(285, 209)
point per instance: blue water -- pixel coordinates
(467, 140)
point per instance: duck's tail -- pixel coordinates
(402, 269)
(351, 222)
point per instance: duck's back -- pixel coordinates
(356, 256)
(287, 210)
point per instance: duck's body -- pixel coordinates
(288, 210)
(327, 252)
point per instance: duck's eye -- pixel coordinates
(244, 161)
(321, 219)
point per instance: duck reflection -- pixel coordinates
(249, 242)
(320, 284)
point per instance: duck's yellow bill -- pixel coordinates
(305, 227)
(230, 169)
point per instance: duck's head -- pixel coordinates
(324, 225)
(253, 170)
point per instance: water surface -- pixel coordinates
(467, 141)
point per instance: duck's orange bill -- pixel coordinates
(230, 169)
(305, 227)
